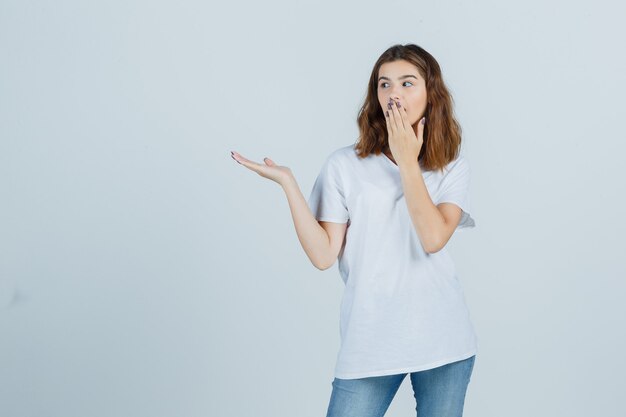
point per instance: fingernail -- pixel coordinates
(423, 120)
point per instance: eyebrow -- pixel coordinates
(400, 78)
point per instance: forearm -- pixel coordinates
(425, 216)
(312, 236)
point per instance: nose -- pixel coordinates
(394, 96)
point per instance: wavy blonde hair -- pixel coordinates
(442, 132)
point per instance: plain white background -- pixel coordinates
(143, 272)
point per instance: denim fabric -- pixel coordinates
(438, 392)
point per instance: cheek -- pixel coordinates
(417, 102)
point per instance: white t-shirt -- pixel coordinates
(403, 310)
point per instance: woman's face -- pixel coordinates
(401, 81)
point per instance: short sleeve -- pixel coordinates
(327, 200)
(455, 189)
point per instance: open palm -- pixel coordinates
(270, 170)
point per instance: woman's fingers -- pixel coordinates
(391, 119)
(255, 166)
(239, 158)
(269, 170)
(420, 129)
(388, 122)
(242, 160)
(232, 155)
(391, 123)
(396, 115)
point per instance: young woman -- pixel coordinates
(386, 207)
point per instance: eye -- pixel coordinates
(382, 84)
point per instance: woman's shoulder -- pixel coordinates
(452, 168)
(460, 162)
(342, 154)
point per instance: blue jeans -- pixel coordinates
(439, 392)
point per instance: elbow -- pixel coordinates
(319, 267)
(323, 266)
(433, 247)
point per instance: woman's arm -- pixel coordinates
(321, 241)
(434, 224)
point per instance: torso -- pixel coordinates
(390, 157)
